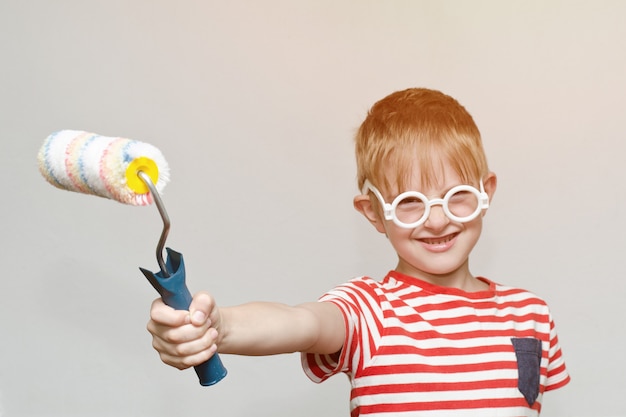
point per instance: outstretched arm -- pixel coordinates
(185, 339)
(269, 328)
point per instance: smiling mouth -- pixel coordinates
(439, 240)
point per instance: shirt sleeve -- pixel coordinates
(557, 372)
(357, 301)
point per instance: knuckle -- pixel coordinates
(179, 350)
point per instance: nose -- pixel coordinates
(437, 218)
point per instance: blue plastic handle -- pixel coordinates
(175, 294)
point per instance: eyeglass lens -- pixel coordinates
(462, 204)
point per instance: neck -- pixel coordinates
(461, 278)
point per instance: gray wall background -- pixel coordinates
(254, 105)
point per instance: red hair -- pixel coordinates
(417, 126)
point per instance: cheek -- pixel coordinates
(474, 228)
(396, 233)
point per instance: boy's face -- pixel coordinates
(437, 250)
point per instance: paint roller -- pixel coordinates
(131, 172)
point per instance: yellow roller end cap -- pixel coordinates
(133, 180)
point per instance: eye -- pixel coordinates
(463, 204)
(461, 196)
(411, 203)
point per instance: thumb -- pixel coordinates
(200, 308)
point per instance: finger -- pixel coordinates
(177, 335)
(185, 348)
(200, 308)
(188, 361)
(166, 315)
(186, 354)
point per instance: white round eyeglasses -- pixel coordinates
(410, 209)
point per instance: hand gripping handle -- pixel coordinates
(175, 294)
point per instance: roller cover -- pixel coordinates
(105, 166)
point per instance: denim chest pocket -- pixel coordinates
(528, 354)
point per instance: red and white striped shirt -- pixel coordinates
(417, 349)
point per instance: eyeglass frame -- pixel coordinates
(389, 209)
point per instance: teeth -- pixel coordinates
(440, 241)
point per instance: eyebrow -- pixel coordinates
(440, 195)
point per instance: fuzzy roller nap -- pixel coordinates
(130, 172)
(104, 166)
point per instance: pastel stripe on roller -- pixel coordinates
(89, 163)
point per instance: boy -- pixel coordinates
(430, 339)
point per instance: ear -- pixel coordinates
(363, 205)
(490, 183)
